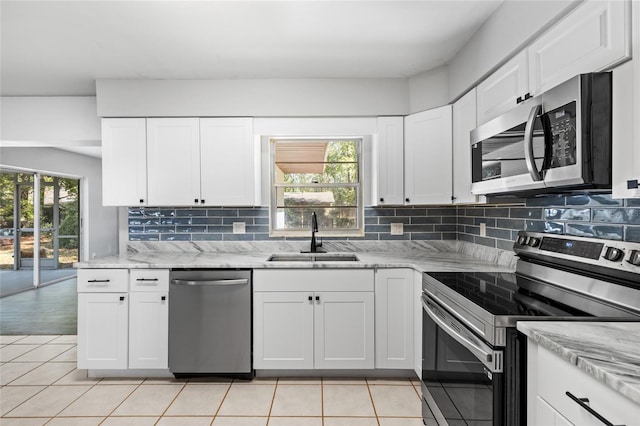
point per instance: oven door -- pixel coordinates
(462, 377)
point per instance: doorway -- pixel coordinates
(57, 222)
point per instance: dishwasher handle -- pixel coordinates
(211, 282)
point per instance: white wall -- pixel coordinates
(507, 31)
(65, 120)
(429, 90)
(257, 98)
(100, 224)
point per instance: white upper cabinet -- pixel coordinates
(228, 162)
(389, 162)
(427, 157)
(503, 89)
(594, 37)
(626, 127)
(464, 121)
(124, 162)
(173, 161)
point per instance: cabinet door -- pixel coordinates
(594, 37)
(283, 330)
(498, 92)
(394, 299)
(390, 161)
(427, 158)
(148, 329)
(228, 164)
(464, 121)
(344, 330)
(547, 415)
(173, 161)
(124, 161)
(102, 330)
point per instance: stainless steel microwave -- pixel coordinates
(556, 142)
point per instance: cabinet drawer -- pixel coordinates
(313, 280)
(149, 280)
(103, 280)
(556, 377)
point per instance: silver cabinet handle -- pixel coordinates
(528, 144)
(211, 282)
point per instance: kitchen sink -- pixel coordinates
(313, 257)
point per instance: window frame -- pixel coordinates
(358, 231)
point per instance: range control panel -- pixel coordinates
(621, 255)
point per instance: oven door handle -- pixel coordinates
(487, 358)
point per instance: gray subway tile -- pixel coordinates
(503, 234)
(377, 228)
(445, 228)
(632, 233)
(175, 237)
(206, 237)
(254, 212)
(388, 236)
(621, 215)
(595, 231)
(567, 214)
(190, 229)
(159, 229)
(222, 212)
(510, 223)
(418, 228)
(393, 219)
(525, 212)
(384, 211)
(441, 211)
(237, 237)
(590, 200)
(191, 212)
(425, 220)
(546, 200)
(632, 202)
(490, 222)
(421, 236)
(232, 220)
(411, 212)
(205, 220)
(496, 212)
(144, 237)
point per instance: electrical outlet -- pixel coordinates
(239, 228)
(397, 229)
(483, 229)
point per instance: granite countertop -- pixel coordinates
(608, 351)
(421, 256)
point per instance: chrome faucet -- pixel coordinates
(314, 229)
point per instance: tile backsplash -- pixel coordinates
(596, 215)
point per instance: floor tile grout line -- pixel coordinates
(23, 374)
(121, 402)
(322, 399)
(172, 401)
(373, 404)
(222, 401)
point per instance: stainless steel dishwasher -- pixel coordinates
(210, 323)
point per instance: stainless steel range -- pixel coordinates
(474, 359)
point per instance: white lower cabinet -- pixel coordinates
(551, 383)
(148, 330)
(394, 289)
(103, 318)
(149, 319)
(306, 319)
(103, 330)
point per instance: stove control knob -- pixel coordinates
(613, 254)
(522, 240)
(534, 242)
(634, 258)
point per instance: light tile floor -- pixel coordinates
(40, 385)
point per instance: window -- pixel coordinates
(318, 175)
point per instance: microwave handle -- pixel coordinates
(528, 143)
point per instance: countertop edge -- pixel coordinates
(620, 376)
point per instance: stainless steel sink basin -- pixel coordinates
(313, 257)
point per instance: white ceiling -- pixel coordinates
(61, 47)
